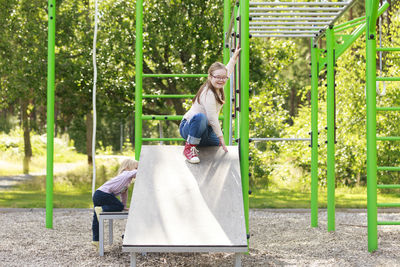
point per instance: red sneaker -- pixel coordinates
(190, 153)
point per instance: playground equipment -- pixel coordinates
(312, 20)
(181, 207)
(372, 14)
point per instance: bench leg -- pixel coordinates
(133, 259)
(238, 260)
(101, 236)
(110, 231)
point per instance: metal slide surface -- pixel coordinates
(177, 206)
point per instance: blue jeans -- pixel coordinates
(198, 132)
(109, 203)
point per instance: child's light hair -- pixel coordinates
(128, 165)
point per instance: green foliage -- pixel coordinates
(268, 117)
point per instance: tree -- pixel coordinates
(23, 61)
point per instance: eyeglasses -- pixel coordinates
(220, 78)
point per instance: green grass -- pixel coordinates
(32, 195)
(70, 190)
(37, 199)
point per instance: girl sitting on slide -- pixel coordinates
(200, 125)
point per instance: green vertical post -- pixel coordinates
(50, 110)
(371, 130)
(244, 109)
(138, 78)
(237, 134)
(314, 133)
(227, 91)
(330, 99)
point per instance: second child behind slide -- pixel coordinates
(200, 125)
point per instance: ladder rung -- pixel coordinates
(168, 96)
(388, 223)
(388, 168)
(162, 117)
(388, 204)
(280, 3)
(388, 138)
(388, 79)
(167, 117)
(387, 108)
(393, 186)
(392, 49)
(163, 139)
(174, 75)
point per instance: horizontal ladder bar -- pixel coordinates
(388, 205)
(388, 223)
(296, 19)
(162, 117)
(391, 186)
(392, 49)
(283, 28)
(174, 75)
(387, 108)
(388, 138)
(167, 117)
(168, 96)
(278, 139)
(329, 14)
(388, 168)
(282, 32)
(388, 79)
(296, 8)
(298, 3)
(291, 23)
(163, 139)
(283, 35)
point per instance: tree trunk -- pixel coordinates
(27, 138)
(292, 102)
(89, 135)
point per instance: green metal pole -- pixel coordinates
(314, 134)
(337, 27)
(237, 134)
(227, 91)
(244, 109)
(330, 99)
(371, 135)
(372, 15)
(138, 78)
(50, 110)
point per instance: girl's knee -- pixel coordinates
(201, 118)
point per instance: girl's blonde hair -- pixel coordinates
(219, 97)
(128, 165)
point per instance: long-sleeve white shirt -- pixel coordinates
(209, 106)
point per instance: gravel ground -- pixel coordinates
(278, 238)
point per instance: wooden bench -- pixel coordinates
(110, 216)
